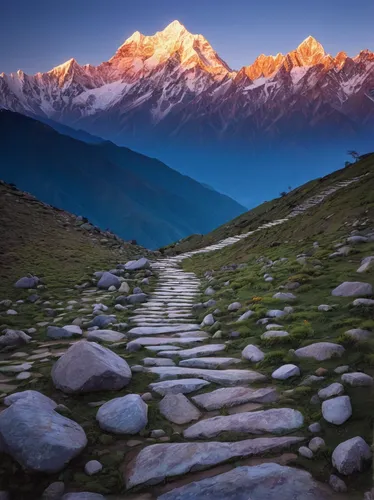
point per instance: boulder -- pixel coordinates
(137, 265)
(178, 409)
(332, 390)
(320, 351)
(268, 481)
(275, 421)
(363, 302)
(357, 379)
(358, 334)
(23, 436)
(13, 339)
(33, 397)
(107, 280)
(124, 288)
(350, 456)
(27, 282)
(337, 410)
(353, 289)
(87, 367)
(208, 320)
(286, 371)
(125, 415)
(253, 353)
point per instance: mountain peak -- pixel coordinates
(310, 51)
(174, 29)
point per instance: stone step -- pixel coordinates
(200, 351)
(159, 330)
(228, 397)
(209, 363)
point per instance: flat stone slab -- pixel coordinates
(276, 421)
(158, 362)
(210, 363)
(228, 397)
(156, 462)
(181, 386)
(195, 352)
(320, 351)
(157, 348)
(160, 330)
(178, 409)
(267, 481)
(222, 377)
(271, 334)
(149, 341)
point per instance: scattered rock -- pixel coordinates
(332, 390)
(305, 452)
(357, 379)
(358, 334)
(208, 320)
(325, 308)
(337, 484)
(107, 280)
(271, 334)
(366, 264)
(125, 415)
(315, 428)
(286, 371)
(316, 444)
(320, 351)
(245, 316)
(93, 467)
(13, 339)
(275, 313)
(27, 282)
(253, 353)
(352, 289)
(54, 491)
(284, 296)
(87, 367)
(137, 265)
(235, 306)
(350, 456)
(337, 410)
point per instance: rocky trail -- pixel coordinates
(150, 389)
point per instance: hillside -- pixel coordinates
(135, 196)
(38, 239)
(345, 205)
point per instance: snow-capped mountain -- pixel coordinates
(175, 84)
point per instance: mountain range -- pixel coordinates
(172, 95)
(134, 196)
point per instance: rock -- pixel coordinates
(105, 336)
(305, 452)
(320, 372)
(183, 386)
(147, 396)
(271, 334)
(137, 298)
(320, 351)
(286, 371)
(209, 363)
(342, 369)
(158, 362)
(311, 379)
(87, 367)
(358, 334)
(209, 291)
(137, 265)
(209, 303)
(357, 379)
(74, 329)
(316, 444)
(363, 302)
(325, 308)
(228, 397)
(288, 310)
(55, 332)
(178, 409)
(103, 320)
(353, 289)
(107, 280)
(208, 320)
(124, 288)
(337, 484)
(253, 353)
(27, 282)
(33, 397)
(366, 264)
(284, 296)
(337, 410)
(157, 462)
(125, 415)
(357, 239)
(315, 428)
(292, 285)
(275, 421)
(23, 376)
(54, 491)
(137, 290)
(332, 390)
(23, 436)
(234, 306)
(93, 467)
(245, 316)
(268, 481)
(350, 456)
(275, 313)
(13, 339)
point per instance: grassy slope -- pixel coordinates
(37, 239)
(348, 202)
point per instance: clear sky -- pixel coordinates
(36, 35)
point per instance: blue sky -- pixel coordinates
(37, 35)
